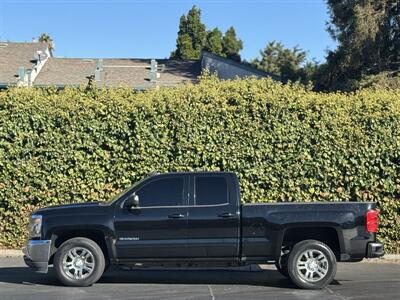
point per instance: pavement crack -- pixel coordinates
(211, 292)
(336, 294)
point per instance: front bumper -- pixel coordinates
(375, 249)
(36, 255)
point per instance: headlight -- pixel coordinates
(35, 225)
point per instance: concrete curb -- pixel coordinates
(10, 253)
(386, 258)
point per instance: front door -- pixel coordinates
(158, 227)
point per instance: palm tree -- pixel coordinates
(45, 38)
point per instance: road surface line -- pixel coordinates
(211, 292)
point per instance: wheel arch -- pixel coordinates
(58, 237)
(329, 235)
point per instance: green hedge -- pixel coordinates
(286, 143)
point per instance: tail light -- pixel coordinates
(372, 220)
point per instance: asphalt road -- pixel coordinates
(353, 281)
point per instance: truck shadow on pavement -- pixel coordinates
(267, 278)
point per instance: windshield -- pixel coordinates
(121, 194)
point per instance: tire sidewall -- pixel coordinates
(98, 259)
(309, 245)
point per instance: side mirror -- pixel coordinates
(132, 202)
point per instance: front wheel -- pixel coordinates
(311, 265)
(79, 262)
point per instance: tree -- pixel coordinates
(368, 36)
(231, 44)
(45, 38)
(289, 64)
(191, 36)
(214, 42)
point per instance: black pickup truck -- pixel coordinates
(197, 219)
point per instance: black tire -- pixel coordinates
(282, 265)
(307, 260)
(93, 256)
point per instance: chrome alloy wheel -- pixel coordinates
(312, 265)
(78, 263)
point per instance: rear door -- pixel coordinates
(213, 217)
(158, 228)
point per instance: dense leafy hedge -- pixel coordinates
(286, 143)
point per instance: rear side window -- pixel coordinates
(162, 192)
(211, 190)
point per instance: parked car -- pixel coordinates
(197, 219)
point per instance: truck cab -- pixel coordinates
(181, 215)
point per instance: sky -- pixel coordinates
(148, 29)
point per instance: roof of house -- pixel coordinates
(66, 71)
(116, 71)
(14, 55)
(136, 73)
(175, 71)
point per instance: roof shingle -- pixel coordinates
(15, 55)
(121, 71)
(66, 71)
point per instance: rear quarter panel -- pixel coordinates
(264, 225)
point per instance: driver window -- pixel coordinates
(162, 192)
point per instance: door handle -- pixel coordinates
(176, 216)
(226, 215)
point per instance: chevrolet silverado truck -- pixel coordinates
(197, 219)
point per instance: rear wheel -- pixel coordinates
(311, 265)
(79, 262)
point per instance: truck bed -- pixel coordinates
(264, 226)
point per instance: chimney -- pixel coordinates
(99, 65)
(153, 71)
(99, 70)
(21, 73)
(97, 75)
(29, 73)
